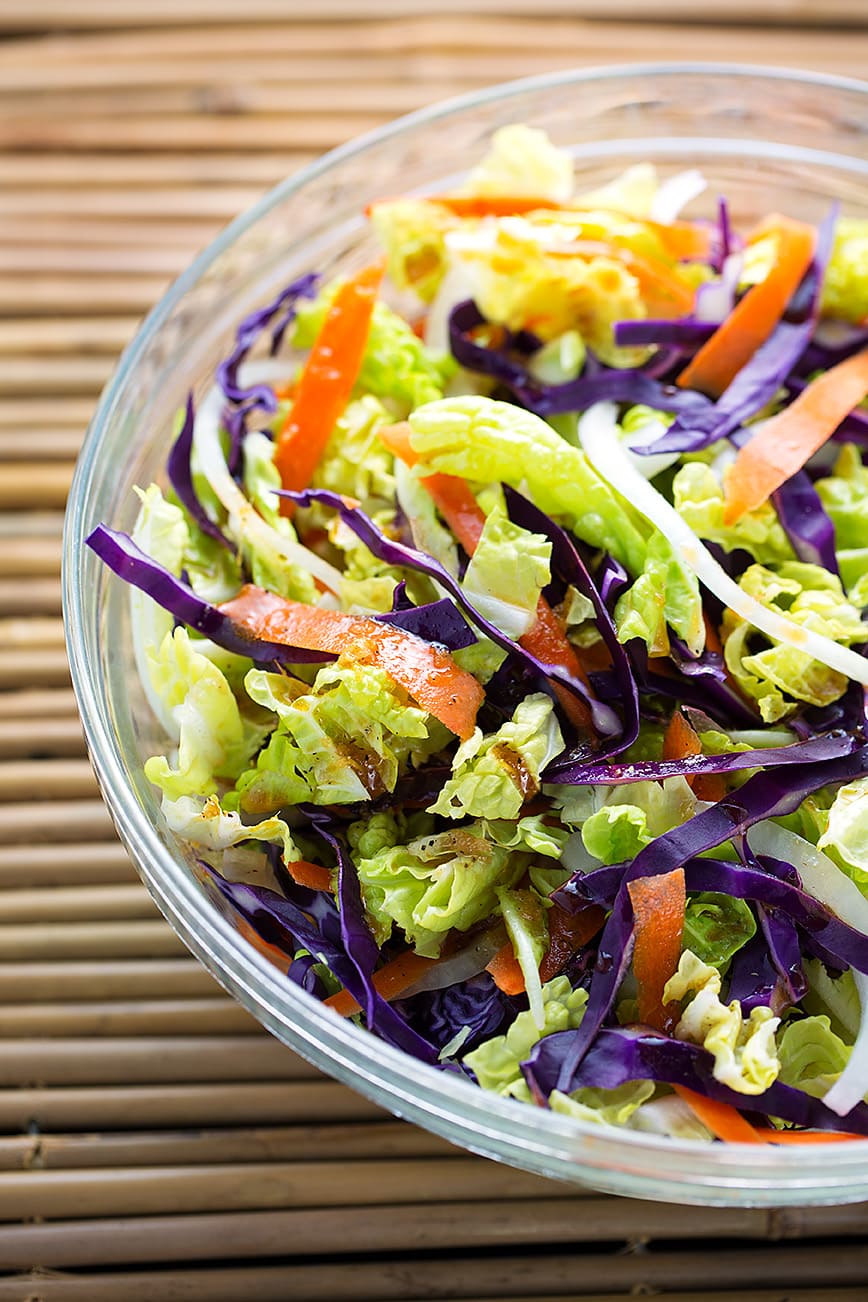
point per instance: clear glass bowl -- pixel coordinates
(768, 140)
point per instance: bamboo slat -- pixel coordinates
(46, 444)
(33, 484)
(49, 668)
(29, 15)
(38, 596)
(269, 1284)
(118, 1107)
(85, 820)
(430, 1230)
(149, 1060)
(96, 940)
(31, 633)
(28, 557)
(144, 1191)
(47, 779)
(49, 737)
(36, 705)
(36, 409)
(64, 865)
(76, 904)
(71, 980)
(181, 1017)
(300, 1143)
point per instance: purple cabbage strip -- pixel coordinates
(242, 402)
(385, 549)
(761, 884)
(181, 478)
(785, 952)
(686, 332)
(438, 621)
(754, 978)
(281, 922)
(130, 563)
(567, 564)
(769, 794)
(703, 687)
(760, 379)
(629, 385)
(813, 751)
(725, 235)
(475, 1003)
(621, 1055)
(805, 522)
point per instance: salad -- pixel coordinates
(507, 626)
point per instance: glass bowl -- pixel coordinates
(768, 140)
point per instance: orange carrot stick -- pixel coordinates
(311, 875)
(326, 381)
(811, 1137)
(658, 909)
(679, 740)
(788, 440)
(506, 971)
(427, 673)
(755, 316)
(390, 981)
(722, 1120)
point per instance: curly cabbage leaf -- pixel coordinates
(507, 572)
(203, 822)
(436, 883)
(698, 499)
(845, 838)
(343, 739)
(716, 927)
(744, 1050)
(215, 741)
(845, 285)
(522, 160)
(493, 776)
(812, 1055)
(780, 675)
(497, 1062)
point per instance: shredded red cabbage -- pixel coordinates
(814, 751)
(621, 1055)
(605, 721)
(181, 478)
(241, 402)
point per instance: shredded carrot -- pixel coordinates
(788, 440)
(506, 971)
(724, 1121)
(492, 205)
(311, 875)
(755, 316)
(568, 932)
(658, 910)
(680, 739)
(392, 979)
(427, 673)
(811, 1137)
(682, 239)
(546, 639)
(326, 381)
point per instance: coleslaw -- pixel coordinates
(506, 624)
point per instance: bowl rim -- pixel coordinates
(736, 1174)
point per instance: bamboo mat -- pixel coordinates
(156, 1144)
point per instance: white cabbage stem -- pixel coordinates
(598, 434)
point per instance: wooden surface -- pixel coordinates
(156, 1144)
